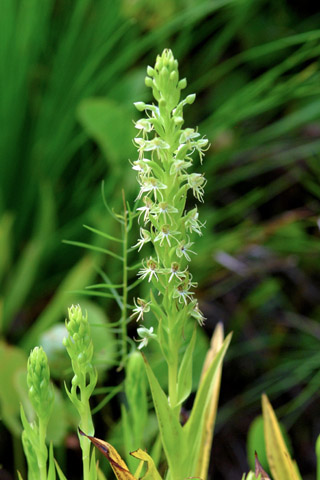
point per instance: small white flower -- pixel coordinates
(142, 166)
(151, 269)
(145, 237)
(183, 293)
(145, 334)
(148, 203)
(188, 134)
(196, 181)
(175, 272)
(183, 249)
(192, 223)
(144, 125)
(141, 307)
(151, 184)
(197, 314)
(179, 166)
(163, 208)
(165, 234)
(155, 144)
(201, 145)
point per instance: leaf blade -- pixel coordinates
(281, 465)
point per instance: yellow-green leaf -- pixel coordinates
(196, 425)
(211, 413)
(281, 465)
(152, 472)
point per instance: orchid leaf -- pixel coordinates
(281, 465)
(210, 417)
(101, 475)
(152, 472)
(51, 469)
(194, 428)
(61, 475)
(185, 371)
(170, 428)
(93, 466)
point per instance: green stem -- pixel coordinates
(42, 459)
(173, 370)
(125, 285)
(173, 374)
(86, 424)
(318, 457)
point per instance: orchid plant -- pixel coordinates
(164, 164)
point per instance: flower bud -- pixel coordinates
(191, 98)
(148, 81)
(150, 71)
(140, 106)
(182, 83)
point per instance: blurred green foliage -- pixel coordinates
(69, 75)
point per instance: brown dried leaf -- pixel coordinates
(119, 467)
(259, 470)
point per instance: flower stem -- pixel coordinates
(42, 458)
(125, 284)
(85, 446)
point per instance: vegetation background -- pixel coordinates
(69, 75)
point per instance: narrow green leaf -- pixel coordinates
(51, 469)
(170, 428)
(103, 234)
(93, 467)
(93, 248)
(185, 371)
(59, 471)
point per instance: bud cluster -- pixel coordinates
(80, 349)
(39, 387)
(165, 157)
